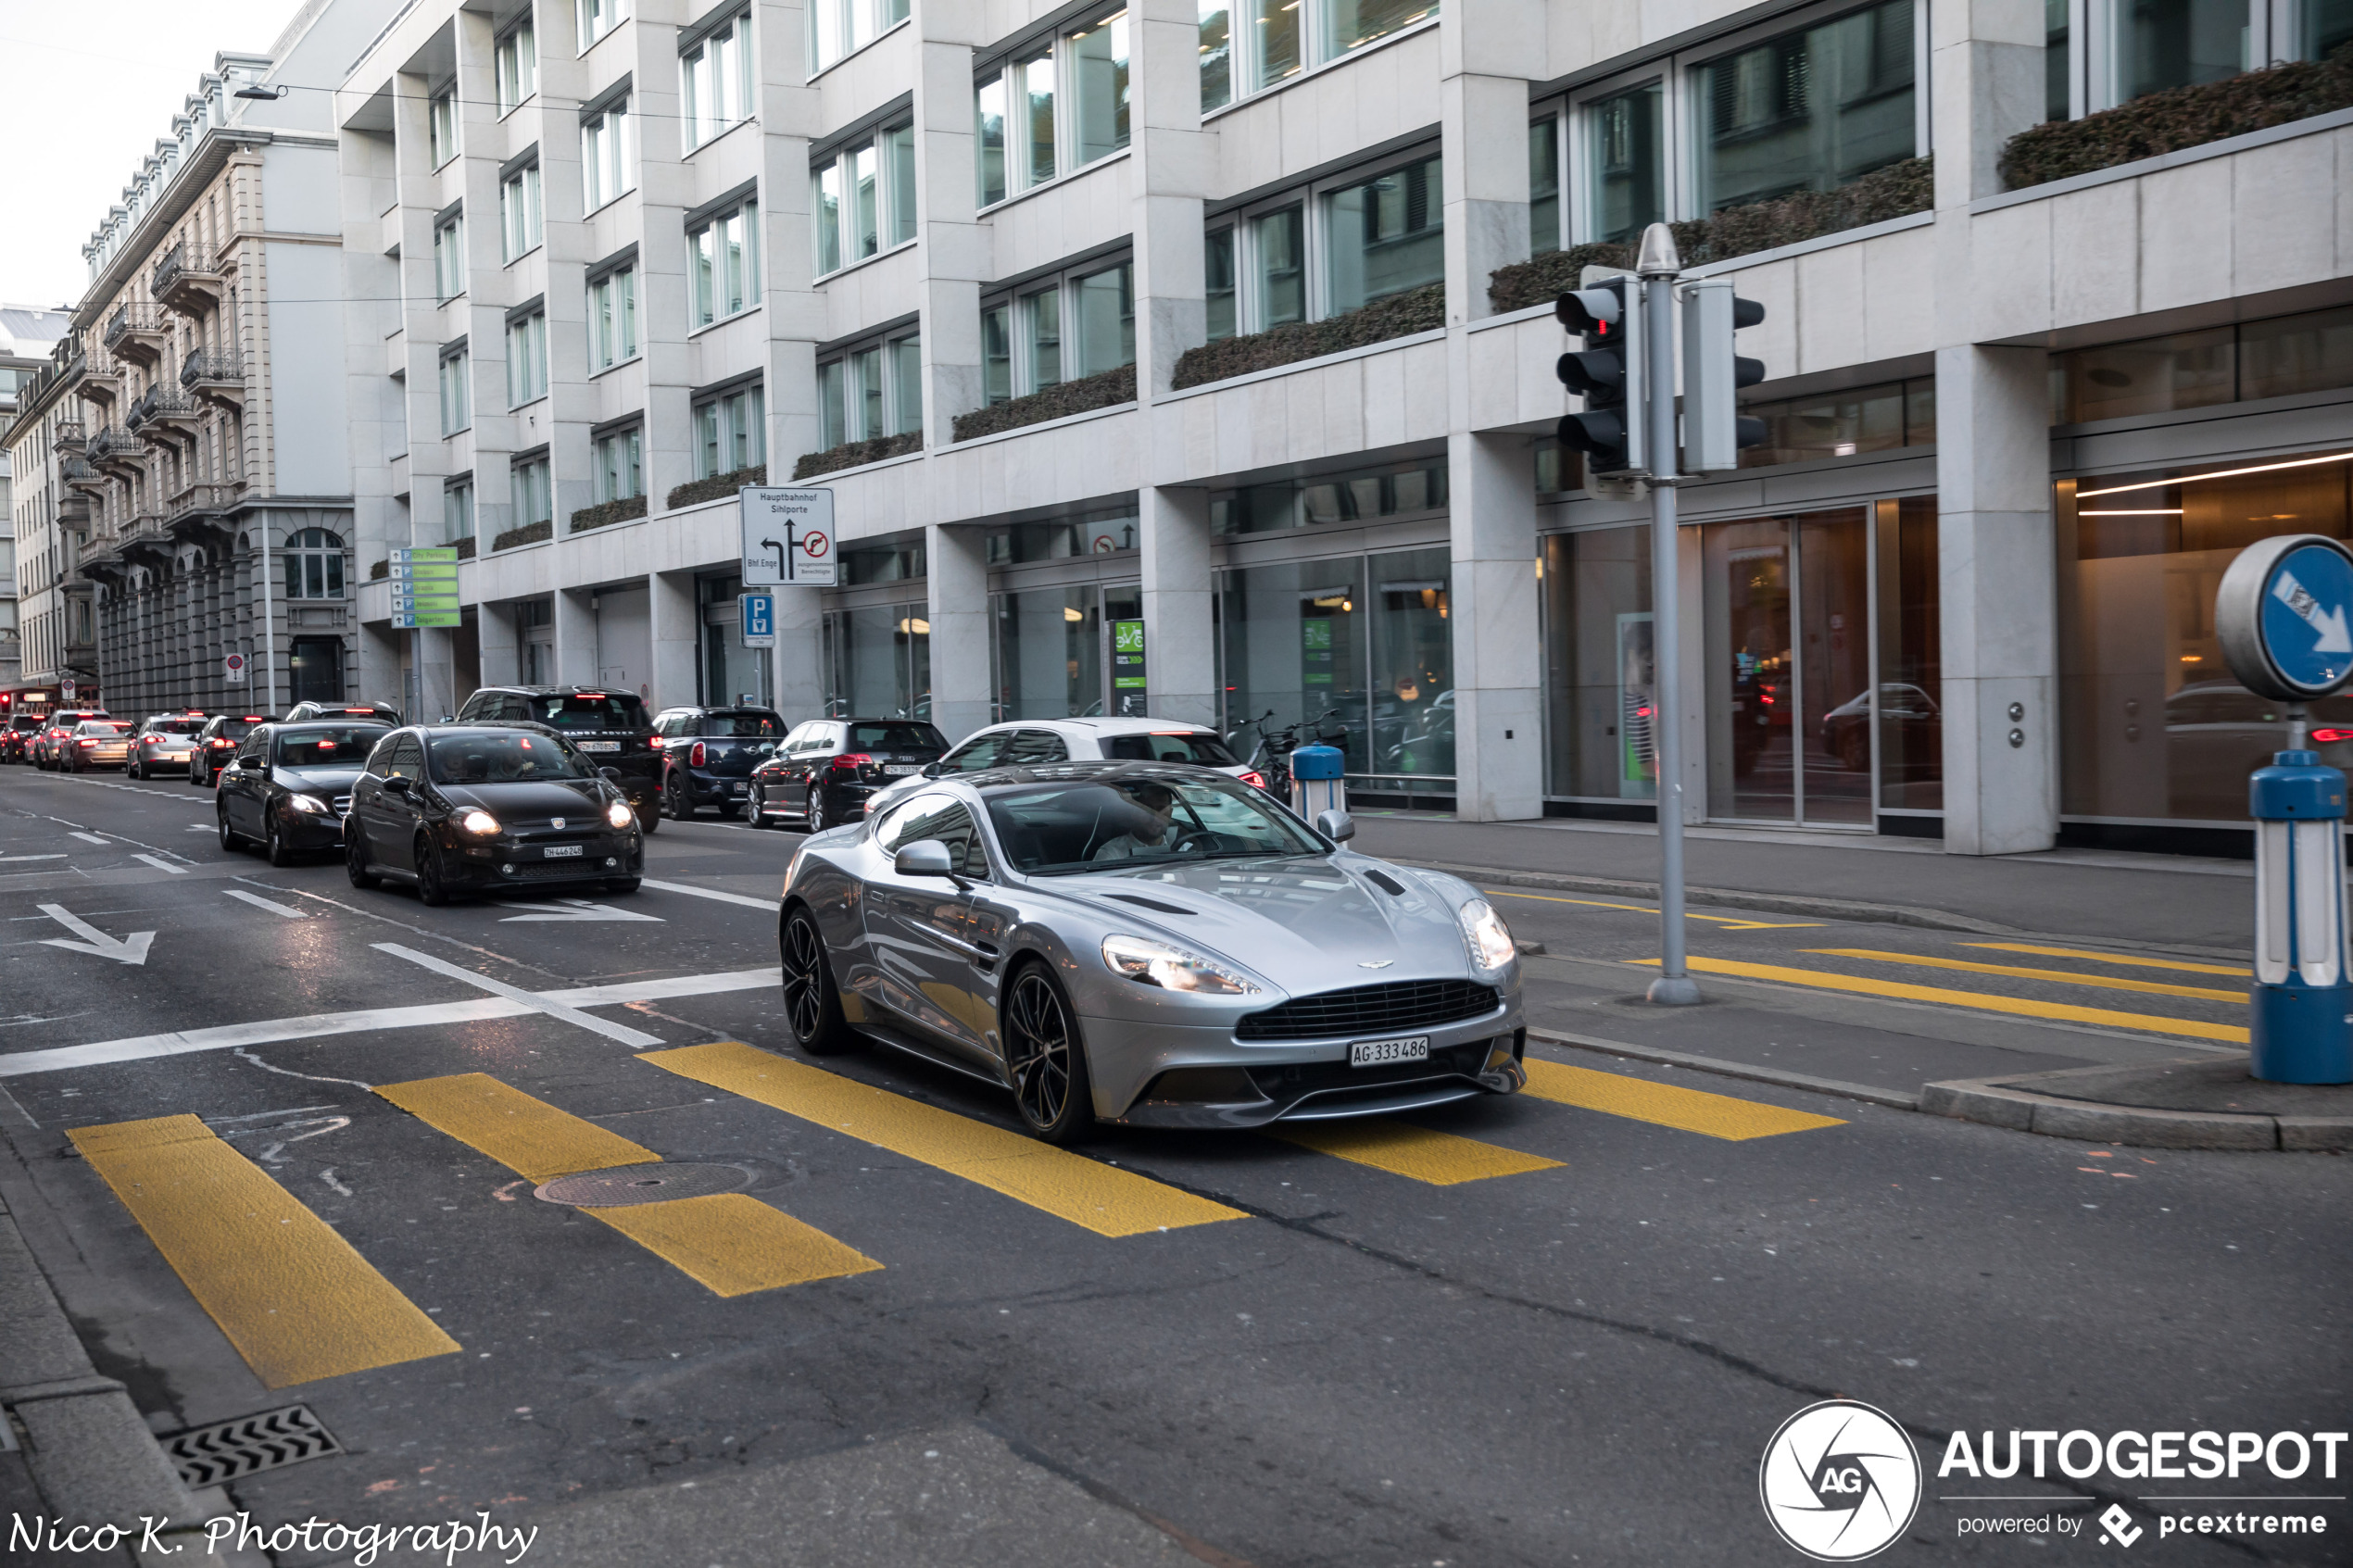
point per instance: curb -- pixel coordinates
(1990, 1101)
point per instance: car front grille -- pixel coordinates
(1386, 1009)
(1300, 1079)
(343, 805)
(564, 871)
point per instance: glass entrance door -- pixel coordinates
(1789, 668)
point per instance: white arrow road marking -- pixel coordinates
(258, 902)
(87, 837)
(635, 1039)
(97, 943)
(161, 864)
(584, 910)
(768, 904)
(2335, 636)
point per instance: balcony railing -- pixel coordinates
(69, 432)
(211, 365)
(113, 443)
(203, 497)
(158, 400)
(127, 319)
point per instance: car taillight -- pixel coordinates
(850, 761)
(1255, 779)
(693, 758)
(86, 742)
(2332, 734)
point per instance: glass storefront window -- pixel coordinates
(1368, 493)
(732, 672)
(1413, 666)
(2152, 725)
(2281, 357)
(1096, 533)
(878, 663)
(1843, 424)
(1911, 663)
(1598, 692)
(1047, 653)
(1809, 111)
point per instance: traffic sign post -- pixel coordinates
(787, 537)
(2282, 616)
(232, 669)
(424, 587)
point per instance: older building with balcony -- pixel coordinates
(1221, 336)
(35, 353)
(215, 460)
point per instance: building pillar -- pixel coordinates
(1499, 750)
(1985, 78)
(954, 253)
(575, 646)
(1997, 573)
(957, 580)
(672, 612)
(1180, 651)
(1483, 113)
(797, 685)
(436, 674)
(1176, 166)
(499, 648)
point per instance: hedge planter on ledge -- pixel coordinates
(2164, 122)
(529, 533)
(1401, 315)
(851, 454)
(718, 487)
(1893, 191)
(607, 512)
(1104, 390)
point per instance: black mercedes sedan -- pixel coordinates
(467, 808)
(289, 784)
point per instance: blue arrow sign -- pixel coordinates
(2304, 619)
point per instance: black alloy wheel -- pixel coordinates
(1046, 1059)
(812, 1004)
(431, 892)
(817, 823)
(231, 839)
(758, 808)
(274, 843)
(675, 800)
(354, 856)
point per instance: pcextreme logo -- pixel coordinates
(1840, 1481)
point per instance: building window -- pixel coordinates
(1844, 424)
(313, 560)
(1216, 54)
(1080, 323)
(1288, 36)
(598, 17)
(518, 68)
(1021, 143)
(449, 257)
(1809, 110)
(725, 263)
(1303, 256)
(1217, 267)
(619, 461)
(606, 167)
(1544, 185)
(2281, 357)
(842, 27)
(441, 125)
(519, 211)
(457, 409)
(1384, 236)
(533, 499)
(865, 196)
(731, 432)
(872, 390)
(612, 318)
(527, 359)
(457, 510)
(714, 81)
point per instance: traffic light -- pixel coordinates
(1608, 373)
(1714, 430)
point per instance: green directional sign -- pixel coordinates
(1127, 678)
(424, 586)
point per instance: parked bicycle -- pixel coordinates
(1271, 759)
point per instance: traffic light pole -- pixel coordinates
(1658, 268)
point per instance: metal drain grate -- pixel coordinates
(206, 1456)
(624, 1185)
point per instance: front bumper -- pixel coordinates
(308, 830)
(526, 863)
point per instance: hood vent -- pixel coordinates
(1154, 904)
(1386, 883)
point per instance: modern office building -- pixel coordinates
(28, 334)
(1220, 338)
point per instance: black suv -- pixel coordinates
(17, 739)
(708, 755)
(826, 768)
(609, 727)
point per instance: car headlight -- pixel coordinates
(309, 803)
(1490, 939)
(1173, 968)
(618, 813)
(479, 822)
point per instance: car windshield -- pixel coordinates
(103, 727)
(896, 737)
(502, 757)
(755, 726)
(338, 745)
(576, 710)
(1058, 829)
(1206, 750)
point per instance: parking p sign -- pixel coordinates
(760, 620)
(787, 537)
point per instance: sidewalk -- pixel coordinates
(2165, 900)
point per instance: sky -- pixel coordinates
(90, 86)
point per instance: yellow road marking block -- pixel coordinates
(1693, 1111)
(298, 1300)
(1728, 922)
(1103, 1199)
(730, 1241)
(1420, 1153)
(2106, 981)
(1823, 980)
(2182, 964)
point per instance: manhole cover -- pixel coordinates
(211, 1455)
(625, 1185)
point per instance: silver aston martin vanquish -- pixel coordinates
(1148, 944)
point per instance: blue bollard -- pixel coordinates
(2303, 1007)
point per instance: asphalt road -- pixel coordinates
(1577, 1355)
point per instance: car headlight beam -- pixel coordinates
(1490, 939)
(619, 814)
(1173, 968)
(479, 822)
(308, 803)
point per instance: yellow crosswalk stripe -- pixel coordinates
(1421, 1153)
(2182, 964)
(298, 1300)
(1693, 1111)
(1728, 922)
(1103, 1199)
(1984, 1001)
(2069, 977)
(731, 1242)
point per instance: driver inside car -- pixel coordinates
(1155, 833)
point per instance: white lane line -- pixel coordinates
(635, 1039)
(318, 1025)
(161, 864)
(12, 860)
(87, 837)
(258, 902)
(768, 904)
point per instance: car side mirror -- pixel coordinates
(612, 773)
(397, 784)
(931, 769)
(926, 858)
(1338, 826)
